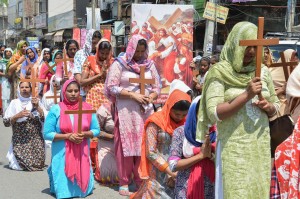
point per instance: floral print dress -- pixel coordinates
(28, 143)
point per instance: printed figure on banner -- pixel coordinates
(168, 30)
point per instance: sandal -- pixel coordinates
(124, 191)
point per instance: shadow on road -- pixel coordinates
(47, 191)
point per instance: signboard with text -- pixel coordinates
(211, 9)
(32, 41)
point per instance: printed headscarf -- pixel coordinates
(127, 60)
(82, 54)
(17, 53)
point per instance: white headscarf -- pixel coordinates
(82, 54)
(17, 105)
(180, 85)
(48, 103)
(293, 83)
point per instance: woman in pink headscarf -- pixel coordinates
(70, 172)
(131, 107)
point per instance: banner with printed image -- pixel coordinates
(168, 30)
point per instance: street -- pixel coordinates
(34, 185)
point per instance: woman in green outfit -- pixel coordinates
(229, 98)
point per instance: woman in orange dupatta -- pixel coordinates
(93, 79)
(94, 74)
(158, 179)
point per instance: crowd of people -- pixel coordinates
(210, 139)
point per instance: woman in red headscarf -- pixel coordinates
(70, 172)
(158, 179)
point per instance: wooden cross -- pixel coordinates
(80, 112)
(142, 80)
(286, 66)
(259, 43)
(33, 80)
(50, 68)
(155, 24)
(55, 96)
(64, 60)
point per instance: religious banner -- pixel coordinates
(82, 37)
(106, 31)
(168, 30)
(76, 35)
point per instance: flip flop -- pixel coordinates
(124, 191)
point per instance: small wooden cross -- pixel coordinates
(142, 81)
(64, 60)
(259, 43)
(55, 96)
(33, 80)
(286, 66)
(80, 112)
(50, 68)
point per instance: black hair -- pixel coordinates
(200, 53)
(3, 46)
(72, 41)
(97, 34)
(143, 42)
(76, 83)
(58, 53)
(105, 45)
(216, 57)
(182, 105)
(53, 48)
(207, 59)
(190, 93)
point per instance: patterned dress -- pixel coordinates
(28, 143)
(176, 152)
(131, 119)
(95, 91)
(243, 141)
(157, 147)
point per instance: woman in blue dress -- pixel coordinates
(70, 172)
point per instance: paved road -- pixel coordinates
(34, 185)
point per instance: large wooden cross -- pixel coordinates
(64, 60)
(33, 80)
(259, 43)
(287, 66)
(155, 24)
(80, 112)
(142, 80)
(50, 68)
(55, 96)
